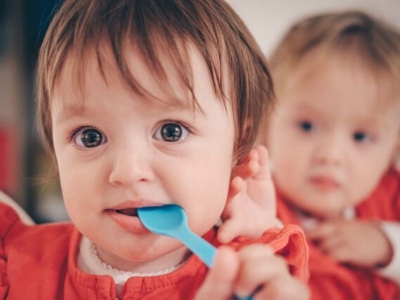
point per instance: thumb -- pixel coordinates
(218, 285)
(228, 230)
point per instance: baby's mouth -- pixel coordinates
(128, 212)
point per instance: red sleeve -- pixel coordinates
(291, 244)
(288, 242)
(384, 201)
(8, 218)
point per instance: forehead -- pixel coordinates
(341, 85)
(342, 73)
(80, 76)
(134, 73)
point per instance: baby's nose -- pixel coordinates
(329, 151)
(131, 166)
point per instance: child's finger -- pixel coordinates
(331, 243)
(262, 154)
(248, 166)
(259, 265)
(247, 169)
(288, 288)
(225, 234)
(219, 282)
(229, 230)
(341, 254)
(236, 186)
(264, 172)
(255, 164)
(234, 227)
(321, 231)
(252, 155)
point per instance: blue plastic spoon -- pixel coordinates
(171, 220)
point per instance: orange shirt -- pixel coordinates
(40, 262)
(330, 280)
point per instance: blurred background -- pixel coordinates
(23, 24)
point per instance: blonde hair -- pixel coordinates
(374, 41)
(211, 26)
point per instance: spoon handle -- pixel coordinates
(203, 249)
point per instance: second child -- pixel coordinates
(333, 140)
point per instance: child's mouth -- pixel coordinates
(128, 212)
(127, 218)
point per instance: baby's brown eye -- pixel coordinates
(171, 132)
(362, 137)
(89, 138)
(306, 126)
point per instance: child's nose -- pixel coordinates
(329, 151)
(131, 166)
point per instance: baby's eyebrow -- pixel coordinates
(71, 110)
(173, 103)
(68, 111)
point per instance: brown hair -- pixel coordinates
(210, 25)
(373, 40)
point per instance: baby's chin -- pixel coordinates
(322, 206)
(152, 259)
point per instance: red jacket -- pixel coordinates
(40, 262)
(330, 280)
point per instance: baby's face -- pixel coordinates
(117, 151)
(330, 141)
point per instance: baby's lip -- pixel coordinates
(128, 211)
(325, 182)
(130, 207)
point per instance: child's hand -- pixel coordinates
(355, 242)
(254, 270)
(251, 207)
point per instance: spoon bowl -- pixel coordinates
(171, 220)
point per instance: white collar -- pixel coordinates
(90, 262)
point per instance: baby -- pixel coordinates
(333, 139)
(145, 103)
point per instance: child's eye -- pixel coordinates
(89, 138)
(306, 126)
(361, 136)
(171, 132)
